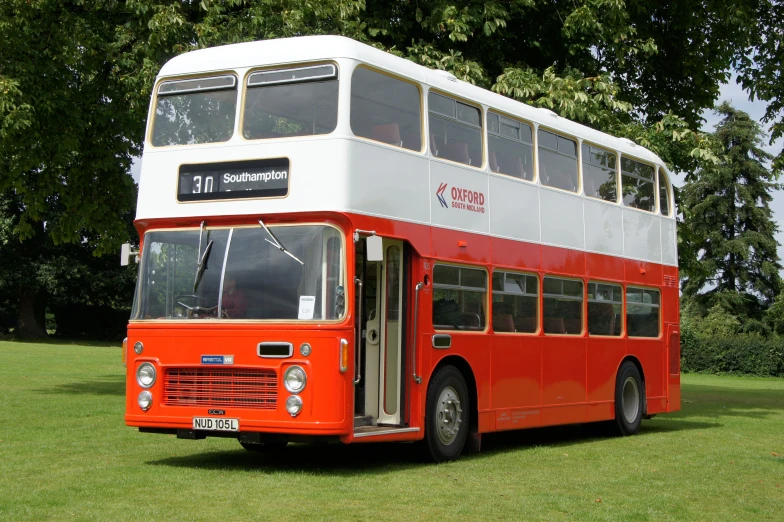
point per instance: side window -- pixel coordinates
(455, 130)
(557, 161)
(510, 147)
(600, 179)
(637, 185)
(664, 194)
(563, 306)
(515, 298)
(459, 297)
(605, 303)
(642, 312)
(386, 109)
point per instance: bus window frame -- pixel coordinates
(617, 153)
(534, 151)
(621, 173)
(435, 285)
(659, 171)
(153, 113)
(578, 143)
(349, 289)
(422, 110)
(584, 307)
(661, 312)
(539, 303)
(482, 127)
(290, 65)
(620, 284)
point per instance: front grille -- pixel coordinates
(239, 387)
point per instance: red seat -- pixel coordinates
(554, 325)
(388, 133)
(503, 323)
(458, 151)
(493, 162)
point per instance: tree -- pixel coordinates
(76, 79)
(729, 223)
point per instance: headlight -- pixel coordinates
(145, 400)
(295, 379)
(304, 349)
(294, 405)
(145, 375)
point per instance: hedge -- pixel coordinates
(741, 354)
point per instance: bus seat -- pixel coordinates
(433, 145)
(525, 324)
(493, 162)
(573, 325)
(412, 140)
(458, 151)
(521, 169)
(503, 323)
(554, 325)
(388, 133)
(470, 320)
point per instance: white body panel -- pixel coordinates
(342, 173)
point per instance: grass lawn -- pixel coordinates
(65, 454)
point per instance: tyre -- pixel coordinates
(446, 415)
(629, 399)
(264, 447)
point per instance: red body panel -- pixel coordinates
(522, 380)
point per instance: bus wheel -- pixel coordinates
(629, 399)
(264, 447)
(446, 417)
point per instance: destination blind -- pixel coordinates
(265, 178)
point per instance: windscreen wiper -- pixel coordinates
(201, 259)
(277, 244)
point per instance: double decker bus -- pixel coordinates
(339, 244)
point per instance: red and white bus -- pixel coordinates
(339, 244)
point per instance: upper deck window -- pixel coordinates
(510, 146)
(664, 194)
(199, 110)
(386, 109)
(301, 101)
(637, 183)
(557, 161)
(600, 179)
(455, 130)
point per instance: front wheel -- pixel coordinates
(629, 399)
(446, 417)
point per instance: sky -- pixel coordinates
(731, 92)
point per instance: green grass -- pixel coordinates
(65, 454)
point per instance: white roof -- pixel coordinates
(316, 48)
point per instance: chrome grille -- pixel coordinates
(239, 387)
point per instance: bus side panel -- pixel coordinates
(563, 379)
(516, 371)
(604, 357)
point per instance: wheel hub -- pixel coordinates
(631, 400)
(450, 416)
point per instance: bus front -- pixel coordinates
(240, 324)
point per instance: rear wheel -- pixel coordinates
(446, 417)
(264, 447)
(629, 399)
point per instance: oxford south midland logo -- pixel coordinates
(462, 199)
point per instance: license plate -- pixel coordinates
(215, 424)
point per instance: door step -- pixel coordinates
(360, 421)
(370, 431)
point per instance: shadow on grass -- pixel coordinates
(714, 402)
(103, 385)
(340, 459)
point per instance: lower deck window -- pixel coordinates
(459, 298)
(563, 306)
(605, 304)
(515, 298)
(642, 312)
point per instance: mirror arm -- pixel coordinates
(357, 232)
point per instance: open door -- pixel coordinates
(379, 393)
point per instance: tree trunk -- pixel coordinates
(31, 322)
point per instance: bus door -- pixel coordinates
(383, 336)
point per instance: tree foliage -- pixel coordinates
(729, 223)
